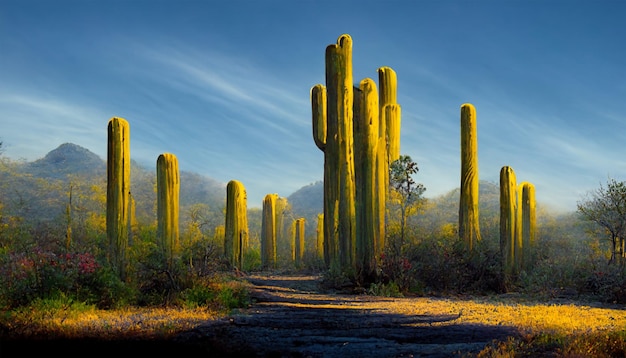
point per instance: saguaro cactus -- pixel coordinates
(268, 231)
(337, 144)
(366, 135)
(118, 191)
(508, 207)
(298, 241)
(528, 222)
(168, 194)
(320, 236)
(469, 229)
(236, 226)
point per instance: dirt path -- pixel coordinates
(292, 318)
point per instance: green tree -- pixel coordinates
(606, 206)
(406, 194)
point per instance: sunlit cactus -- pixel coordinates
(320, 236)
(339, 211)
(298, 241)
(168, 194)
(388, 149)
(508, 207)
(236, 226)
(218, 234)
(528, 222)
(118, 191)
(366, 134)
(469, 228)
(268, 231)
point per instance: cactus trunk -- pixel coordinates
(168, 194)
(469, 230)
(118, 191)
(339, 191)
(528, 223)
(366, 133)
(508, 198)
(298, 241)
(268, 232)
(236, 225)
(320, 237)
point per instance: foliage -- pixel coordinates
(606, 206)
(220, 293)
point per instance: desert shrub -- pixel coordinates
(219, 292)
(40, 274)
(443, 265)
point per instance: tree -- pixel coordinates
(405, 192)
(606, 206)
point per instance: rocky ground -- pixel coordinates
(292, 318)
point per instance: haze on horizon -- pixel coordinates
(225, 85)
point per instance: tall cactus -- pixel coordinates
(236, 226)
(268, 231)
(168, 194)
(469, 229)
(508, 207)
(118, 191)
(388, 149)
(366, 134)
(337, 144)
(528, 222)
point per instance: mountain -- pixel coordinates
(40, 189)
(65, 160)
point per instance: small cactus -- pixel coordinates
(268, 231)
(508, 207)
(236, 226)
(528, 222)
(298, 241)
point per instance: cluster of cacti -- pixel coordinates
(517, 222)
(118, 190)
(268, 231)
(236, 226)
(359, 135)
(469, 230)
(168, 193)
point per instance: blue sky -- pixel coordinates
(225, 85)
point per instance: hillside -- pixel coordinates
(39, 190)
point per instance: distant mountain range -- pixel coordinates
(40, 189)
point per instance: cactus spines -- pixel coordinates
(118, 190)
(236, 225)
(268, 231)
(508, 198)
(469, 230)
(366, 134)
(168, 193)
(528, 222)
